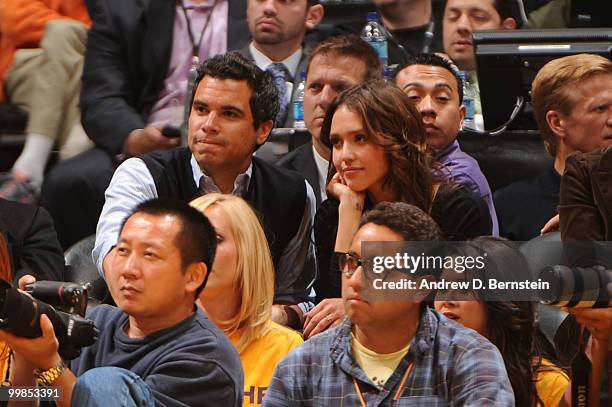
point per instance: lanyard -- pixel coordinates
(196, 46)
(397, 393)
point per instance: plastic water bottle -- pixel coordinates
(468, 101)
(373, 34)
(298, 104)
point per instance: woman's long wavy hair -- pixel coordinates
(511, 325)
(255, 269)
(392, 122)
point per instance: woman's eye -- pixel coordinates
(361, 138)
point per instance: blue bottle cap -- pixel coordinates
(372, 16)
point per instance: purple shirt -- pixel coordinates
(464, 170)
(170, 104)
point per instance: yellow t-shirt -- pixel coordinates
(377, 366)
(261, 357)
(551, 382)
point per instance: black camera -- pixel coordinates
(20, 314)
(586, 287)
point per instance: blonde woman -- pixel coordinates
(240, 289)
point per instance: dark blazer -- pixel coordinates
(302, 160)
(32, 241)
(128, 53)
(585, 201)
(302, 65)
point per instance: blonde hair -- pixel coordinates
(553, 88)
(254, 268)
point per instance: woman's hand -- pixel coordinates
(349, 211)
(338, 188)
(327, 314)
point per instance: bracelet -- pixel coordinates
(47, 377)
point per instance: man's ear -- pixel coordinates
(508, 24)
(556, 123)
(462, 111)
(196, 273)
(263, 131)
(314, 16)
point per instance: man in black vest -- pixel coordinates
(232, 114)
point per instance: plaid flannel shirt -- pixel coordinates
(453, 366)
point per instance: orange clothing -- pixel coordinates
(22, 24)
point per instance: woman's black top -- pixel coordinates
(460, 213)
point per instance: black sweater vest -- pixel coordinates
(278, 196)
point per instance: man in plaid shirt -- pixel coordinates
(390, 353)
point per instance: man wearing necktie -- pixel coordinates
(277, 30)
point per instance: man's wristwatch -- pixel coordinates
(47, 377)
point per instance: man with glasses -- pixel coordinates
(390, 352)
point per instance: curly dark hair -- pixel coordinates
(231, 65)
(404, 219)
(391, 121)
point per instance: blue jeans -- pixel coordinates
(111, 386)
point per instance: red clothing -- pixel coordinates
(22, 24)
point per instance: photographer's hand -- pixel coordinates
(25, 280)
(597, 320)
(40, 353)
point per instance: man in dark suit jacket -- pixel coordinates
(277, 30)
(32, 242)
(334, 65)
(129, 63)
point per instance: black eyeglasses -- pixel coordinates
(349, 262)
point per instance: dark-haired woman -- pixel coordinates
(379, 153)
(509, 325)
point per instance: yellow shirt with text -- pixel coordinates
(260, 358)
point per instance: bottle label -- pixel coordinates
(469, 109)
(298, 114)
(381, 49)
(298, 110)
